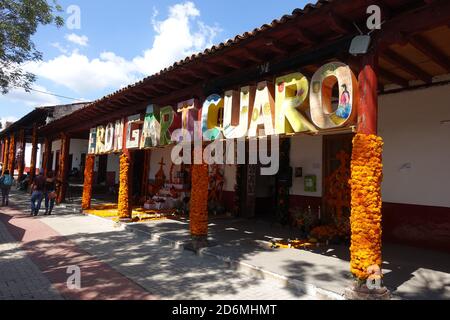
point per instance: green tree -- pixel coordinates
(19, 20)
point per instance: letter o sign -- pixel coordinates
(325, 113)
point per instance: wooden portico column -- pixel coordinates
(366, 177)
(21, 159)
(5, 155)
(63, 168)
(46, 155)
(88, 180)
(33, 153)
(12, 154)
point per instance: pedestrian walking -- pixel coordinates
(6, 181)
(37, 189)
(50, 193)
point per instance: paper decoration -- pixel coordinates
(236, 112)
(133, 132)
(92, 140)
(189, 111)
(152, 128)
(291, 95)
(263, 111)
(118, 135)
(324, 79)
(211, 124)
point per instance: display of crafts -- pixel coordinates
(110, 210)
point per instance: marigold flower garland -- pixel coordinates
(199, 200)
(365, 182)
(124, 208)
(12, 155)
(88, 179)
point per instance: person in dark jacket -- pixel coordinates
(50, 193)
(6, 181)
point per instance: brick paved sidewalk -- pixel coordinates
(157, 268)
(52, 254)
(20, 278)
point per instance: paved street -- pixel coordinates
(115, 263)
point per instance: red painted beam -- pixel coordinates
(368, 96)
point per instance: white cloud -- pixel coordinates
(179, 35)
(33, 98)
(79, 40)
(60, 48)
(80, 74)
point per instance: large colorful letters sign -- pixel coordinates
(211, 124)
(263, 111)
(291, 105)
(133, 132)
(189, 114)
(291, 102)
(322, 112)
(151, 130)
(237, 111)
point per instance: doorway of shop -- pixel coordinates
(337, 151)
(102, 169)
(138, 158)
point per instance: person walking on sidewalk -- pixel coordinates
(37, 189)
(50, 193)
(6, 182)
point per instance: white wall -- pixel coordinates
(410, 124)
(77, 147)
(306, 152)
(28, 148)
(230, 178)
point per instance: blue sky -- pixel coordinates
(120, 42)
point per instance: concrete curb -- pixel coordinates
(247, 268)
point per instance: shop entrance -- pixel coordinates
(102, 167)
(138, 159)
(337, 151)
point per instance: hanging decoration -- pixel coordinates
(365, 182)
(88, 179)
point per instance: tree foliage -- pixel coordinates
(19, 20)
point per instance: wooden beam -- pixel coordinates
(276, 46)
(393, 78)
(304, 36)
(213, 69)
(337, 24)
(252, 55)
(406, 65)
(231, 62)
(422, 44)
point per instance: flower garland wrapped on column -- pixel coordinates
(365, 182)
(88, 179)
(21, 160)
(198, 213)
(5, 155)
(124, 205)
(12, 155)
